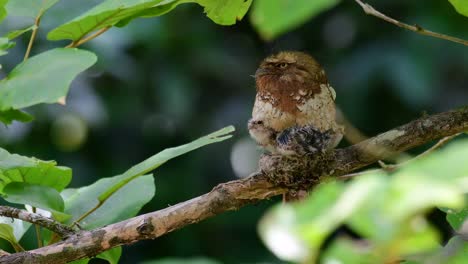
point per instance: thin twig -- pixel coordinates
(79, 42)
(368, 9)
(37, 21)
(352, 175)
(37, 219)
(393, 167)
(440, 143)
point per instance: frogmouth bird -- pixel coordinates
(294, 110)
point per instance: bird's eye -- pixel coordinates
(282, 65)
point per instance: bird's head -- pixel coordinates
(289, 66)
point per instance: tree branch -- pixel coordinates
(368, 9)
(37, 219)
(277, 174)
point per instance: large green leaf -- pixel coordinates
(113, 192)
(274, 17)
(120, 12)
(44, 78)
(461, 6)
(29, 8)
(122, 205)
(165, 155)
(39, 196)
(16, 168)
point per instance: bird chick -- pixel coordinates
(294, 110)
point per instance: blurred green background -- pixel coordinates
(164, 81)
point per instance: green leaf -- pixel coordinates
(416, 236)
(108, 13)
(181, 261)
(19, 227)
(280, 228)
(225, 12)
(16, 33)
(221, 12)
(119, 13)
(10, 115)
(6, 232)
(461, 6)
(38, 196)
(122, 205)
(80, 261)
(16, 168)
(455, 252)
(165, 155)
(29, 8)
(347, 251)
(112, 255)
(44, 78)
(3, 12)
(457, 217)
(5, 44)
(272, 18)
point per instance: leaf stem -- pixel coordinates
(77, 221)
(38, 232)
(106, 195)
(368, 9)
(37, 21)
(81, 41)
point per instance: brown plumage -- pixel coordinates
(294, 111)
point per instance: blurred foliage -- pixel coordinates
(275, 17)
(386, 211)
(182, 261)
(160, 82)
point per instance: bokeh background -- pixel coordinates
(164, 81)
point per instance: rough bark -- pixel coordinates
(276, 175)
(37, 219)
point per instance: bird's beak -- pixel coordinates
(260, 72)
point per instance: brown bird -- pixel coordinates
(294, 110)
